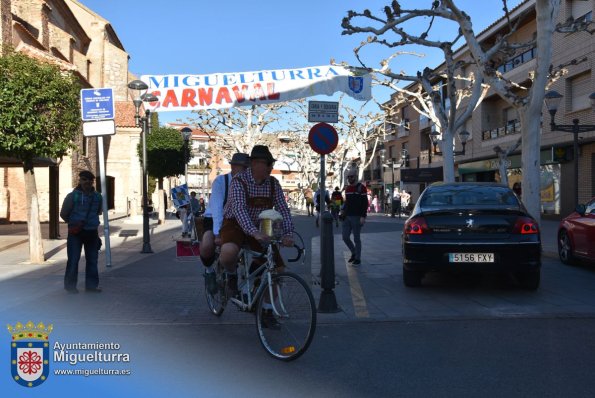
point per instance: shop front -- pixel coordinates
(551, 161)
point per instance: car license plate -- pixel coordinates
(471, 257)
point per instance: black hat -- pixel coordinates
(261, 152)
(240, 159)
(87, 174)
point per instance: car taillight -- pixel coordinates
(416, 226)
(525, 225)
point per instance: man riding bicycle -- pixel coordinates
(252, 192)
(214, 216)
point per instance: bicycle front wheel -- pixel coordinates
(286, 324)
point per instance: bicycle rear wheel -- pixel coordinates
(216, 301)
(286, 335)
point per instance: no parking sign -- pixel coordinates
(323, 138)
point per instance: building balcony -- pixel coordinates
(424, 122)
(512, 127)
(402, 131)
(518, 60)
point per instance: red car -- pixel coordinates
(576, 234)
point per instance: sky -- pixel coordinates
(205, 36)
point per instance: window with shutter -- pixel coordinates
(580, 88)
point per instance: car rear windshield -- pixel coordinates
(469, 196)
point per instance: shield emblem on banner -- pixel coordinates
(30, 363)
(30, 353)
(356, 84)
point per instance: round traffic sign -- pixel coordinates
(323, 138)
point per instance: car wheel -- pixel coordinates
(529, 279)
(565, 248)
(412, 278)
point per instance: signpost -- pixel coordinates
(97, 112)
(99, 128)
(323, 139)
(97, 104)
(323, 111)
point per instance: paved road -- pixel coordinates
(444, 337)
(158, 287)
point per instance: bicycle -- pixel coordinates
(284, 296)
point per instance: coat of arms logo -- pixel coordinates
(30, 353)
(356, 84)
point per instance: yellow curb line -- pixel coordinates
(357, 295)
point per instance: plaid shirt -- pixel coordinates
(247, 217)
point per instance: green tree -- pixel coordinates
(39, 117)
(166, 157)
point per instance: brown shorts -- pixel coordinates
(231, 232)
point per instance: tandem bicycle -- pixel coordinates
(283, 302)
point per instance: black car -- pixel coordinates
(480, 227)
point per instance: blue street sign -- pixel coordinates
(97, 104)
(323, 138)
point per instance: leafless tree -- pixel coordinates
(437, 95)
(440, 86)
(239, 129)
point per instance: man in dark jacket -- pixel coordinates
(353, 215)
(81, 209)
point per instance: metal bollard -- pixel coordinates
(328, 301)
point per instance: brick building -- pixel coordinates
(495, 123)
(68, 34)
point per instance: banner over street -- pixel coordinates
(227, 90)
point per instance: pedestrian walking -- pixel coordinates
(396, 202)
(353, 215)
(202, 207)
(336, 204)
(405, 201)
(375, 204)
(309, 195)
(516, 188)
(81, 209)
(183, 213)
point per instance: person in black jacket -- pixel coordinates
(353, 215)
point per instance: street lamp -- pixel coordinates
(138, 90)
(552, 101)
(186, 133)
(383, 197)
(463, 136)
(404, 155)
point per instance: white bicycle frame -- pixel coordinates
(246, 254)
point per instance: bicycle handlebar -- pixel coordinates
(300, 250)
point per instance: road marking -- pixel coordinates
(357, 295)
